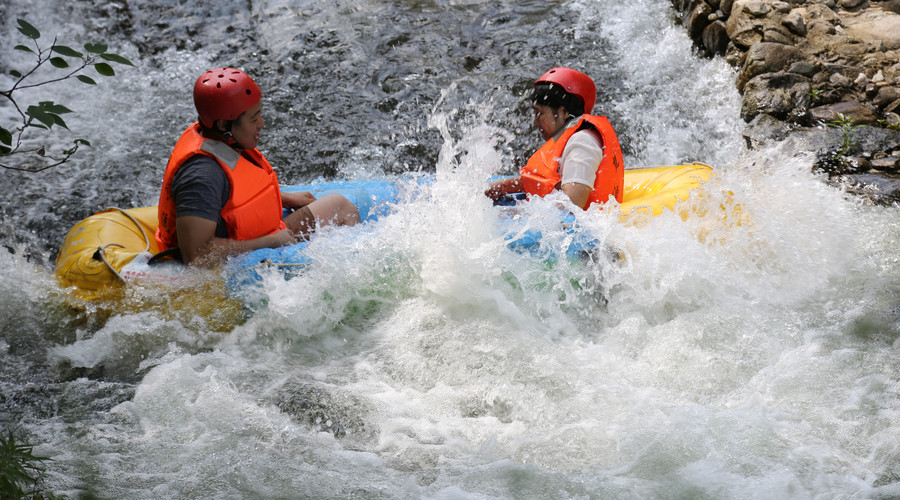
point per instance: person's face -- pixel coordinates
(246, 128)
(548, 120)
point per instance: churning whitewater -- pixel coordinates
(748, 350)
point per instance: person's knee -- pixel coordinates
(346, 211)
(342, 211)
(352, 212)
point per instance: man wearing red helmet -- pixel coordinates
(582, 157)
(220, 196)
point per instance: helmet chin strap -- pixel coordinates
(229, 138)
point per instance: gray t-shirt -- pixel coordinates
(201, 188)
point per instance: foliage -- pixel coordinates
(846, 141)
(21, 471)
(815, 94)
(890, 126)
(45, 114)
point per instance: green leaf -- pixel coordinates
(15, 74)
(5, 136)
(104, 69)
(59, 121)
(116, 58)
(28, 30)
(52, 107)
(66, 51)
(4, 150)
(40, 115)
(95, 48)
(82, 141)
(23, 48)
(59, 62)
(86, 79)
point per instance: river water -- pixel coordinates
(423, 359)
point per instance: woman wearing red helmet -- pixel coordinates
(220, 196)
(581, 156)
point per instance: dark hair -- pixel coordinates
(553, 95)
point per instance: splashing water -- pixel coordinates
(746, 351)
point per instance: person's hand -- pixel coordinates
(282, 238)
(495, 190)
(297, 199)
(501, 187)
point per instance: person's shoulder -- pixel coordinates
(200, 166)
(200, 161)
(586, 138)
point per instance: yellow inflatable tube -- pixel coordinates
(650, 190)
(96, 251)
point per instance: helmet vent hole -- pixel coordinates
(218, 85)
(247, 91)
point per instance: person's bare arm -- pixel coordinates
(501, 187)
(200, 247)
(577, 192)
(296, 199)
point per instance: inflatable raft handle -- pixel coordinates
(170, 253)
(101, 251)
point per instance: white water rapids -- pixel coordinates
(418, 357)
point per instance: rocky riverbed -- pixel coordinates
(823, 75)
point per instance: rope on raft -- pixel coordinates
(102, 249)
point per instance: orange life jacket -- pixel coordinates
(540, 176)
(254, 202)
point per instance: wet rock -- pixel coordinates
(748, 24)
(886, 164)
(804, 68)
(803, 62)
(875, 24)
(777, 34)
(715, 38)
(819, 27)
(839, 80)
(891, 6)
(764, 129)
(851, 51)
(855, 111)
(766, 58)
(851, 4)
(781, 7)
(697, 18)
(886, 95)
(881, 140)
(776, 94)
(878, 188)
(795, 22)
(822, 12)
(756, 8)
(325, 409)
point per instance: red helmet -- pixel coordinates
(575, 82)
(223, 94)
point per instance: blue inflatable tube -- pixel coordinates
(376, 199)
(372, 198)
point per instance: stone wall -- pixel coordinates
(823, 72)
